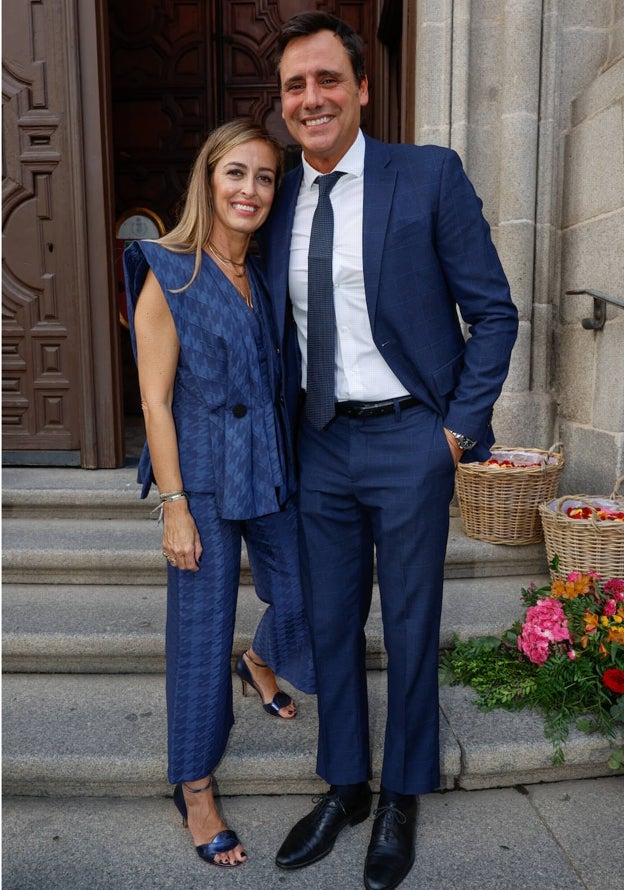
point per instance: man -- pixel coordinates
(409, 397)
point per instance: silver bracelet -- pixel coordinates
(172, 495)
(167, 498)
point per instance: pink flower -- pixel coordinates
(571, 654)
(545, 623)
(610, 608)
(533, 644)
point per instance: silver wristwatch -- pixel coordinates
(463, 441)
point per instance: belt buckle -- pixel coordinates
(378, 409)
(374, 409)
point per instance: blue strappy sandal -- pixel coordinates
(280, 699)
(222, 842)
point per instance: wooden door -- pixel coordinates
(178, 69)
(60, 363)
(39, 340)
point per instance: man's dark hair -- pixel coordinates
(307, 23)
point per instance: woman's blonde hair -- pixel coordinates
(193, 230)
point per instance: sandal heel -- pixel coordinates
(280, 699)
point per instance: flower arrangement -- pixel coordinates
(565, 659)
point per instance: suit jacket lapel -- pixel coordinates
(379, 185)
(278, 253)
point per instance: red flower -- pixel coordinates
(615, 587)
(613, 679)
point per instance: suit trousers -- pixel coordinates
(201, 612)
(376, 485)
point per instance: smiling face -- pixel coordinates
(243, 187)
(321, 100)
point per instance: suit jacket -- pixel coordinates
(227, 389)
(427, 252)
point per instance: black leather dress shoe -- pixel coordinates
(390, 853)
(315, 835)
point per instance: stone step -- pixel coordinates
(120, 628)
(48, 539)
(105, 735)
(72, 493)
(128, 551)
(500, 839)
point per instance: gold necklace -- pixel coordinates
(224, 259)
(246, 297)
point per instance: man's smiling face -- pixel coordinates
(321, 100)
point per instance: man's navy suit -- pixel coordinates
(387, 481)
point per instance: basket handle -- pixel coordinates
(551, 451)
(552, 448)
(616, 488)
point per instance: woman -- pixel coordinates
(219, 452)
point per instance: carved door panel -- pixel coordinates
(41, 381)
(180, 68)
(163, 89)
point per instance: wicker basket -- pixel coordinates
(501, 506)
(584, 545)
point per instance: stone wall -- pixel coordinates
(527, 92)
(589, 365)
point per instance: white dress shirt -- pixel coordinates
(361, 373)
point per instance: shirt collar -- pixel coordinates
(351, 163)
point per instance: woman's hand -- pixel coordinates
(181, 541)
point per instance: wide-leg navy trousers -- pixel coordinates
(379, 484)
(201, 611)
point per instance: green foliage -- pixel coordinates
(500, 677)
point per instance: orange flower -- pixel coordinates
(573, 587)
(591, 622)
(616, 635)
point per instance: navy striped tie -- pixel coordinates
(321, 359)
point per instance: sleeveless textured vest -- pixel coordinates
(226, 404)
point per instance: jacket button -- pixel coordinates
(239, 410)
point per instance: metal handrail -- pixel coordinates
(597, 322)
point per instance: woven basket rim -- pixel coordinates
(603, 526)
(548, 466)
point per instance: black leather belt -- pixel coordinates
(374, 409)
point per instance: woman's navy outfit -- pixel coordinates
(236, 465)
